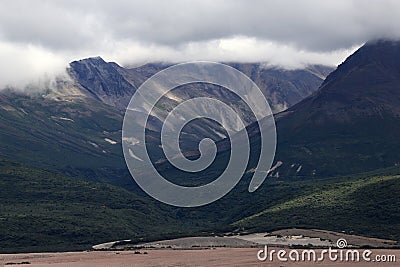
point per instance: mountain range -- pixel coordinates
(79, 121)
(336, 162)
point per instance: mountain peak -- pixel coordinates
(102, 80)
(90, 60)
(384, 52)
(366, 84)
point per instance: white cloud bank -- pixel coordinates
(24, 64)
(39, 38)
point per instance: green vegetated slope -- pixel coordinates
(366, 204)
(45, 211)
(73, 135)
(45, 132)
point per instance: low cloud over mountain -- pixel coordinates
(42, 38)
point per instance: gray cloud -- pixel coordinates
(285, 33)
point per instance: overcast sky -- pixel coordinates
(40, 38)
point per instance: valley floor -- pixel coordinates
(169, 257)
(238, 250)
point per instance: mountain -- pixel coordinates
(114, 85)
(326, 143)
(366, 85)
(77, 132)
(351, 124)
(102, 81)
(75, 127)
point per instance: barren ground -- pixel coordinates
(168, 257)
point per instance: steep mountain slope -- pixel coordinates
(113, 84)
(284, 88)
(74, 134)
(352, 123)
(102, 81)
(366, 85)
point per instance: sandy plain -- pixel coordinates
(170, 257)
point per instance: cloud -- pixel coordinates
(39, 37)
(25, 64)
(238, 49)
